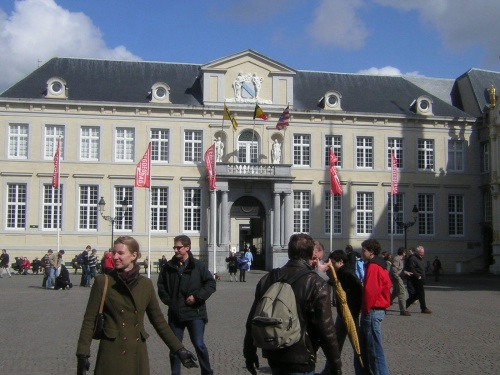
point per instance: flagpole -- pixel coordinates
(392, 223)
(214, 214)
(59, 193)
(149, 228)
(331, 221)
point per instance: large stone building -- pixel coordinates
(443, 133)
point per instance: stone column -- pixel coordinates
(277, 219)
(224, 220)
(288, 230)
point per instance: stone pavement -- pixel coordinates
(39, 329)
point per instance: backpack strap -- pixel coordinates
(275, 276)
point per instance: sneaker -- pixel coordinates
(426, 311)
(404, 313)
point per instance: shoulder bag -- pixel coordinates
(99, 320)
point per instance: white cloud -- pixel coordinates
(386, 71)
(38, 30)
(337, 24)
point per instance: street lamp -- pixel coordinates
(121, 210)
(407, 224)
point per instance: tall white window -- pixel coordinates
(301, 211)
(333, 142)
(159, 209)
(302, 150)
(192, 210)
(124, 148)
(455, 156)
(18, 141)
(124, 192)
(395, 145)
(89, 143)
(456, 215)
(87, 207)
(364, 152)
(16, 206)
(160, 145)
(425, 154)
(485, 157)
(337, 213)
(192, 146)
(52, 134)
(396, 213)
(248, 147)
(426, 214)
(364, 213)
(52, 213)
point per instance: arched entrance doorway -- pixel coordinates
(248, 223)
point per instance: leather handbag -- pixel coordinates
(99, 320)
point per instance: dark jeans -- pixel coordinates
(196, 330)
(418, 293)
(242, 275)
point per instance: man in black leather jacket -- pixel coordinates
(314, 308)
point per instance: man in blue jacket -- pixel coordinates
(184, 285)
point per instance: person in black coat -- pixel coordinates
(232, 265)
(62, 281)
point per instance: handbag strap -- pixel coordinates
(104, 293)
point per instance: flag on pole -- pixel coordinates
(143, 170)
(284, 119)
(394, 169)
(229, 116)
(57, 159)
(259, 113)
(335, 186)
(210, 165)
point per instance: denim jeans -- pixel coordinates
(50, 277)
(86, 274)
(371, 338)
(278, 371)
(196, 330)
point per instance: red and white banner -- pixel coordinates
(284, 119)
(57, 160)
(210, 164)
(143, 170)
(394, 170)
(335, 186)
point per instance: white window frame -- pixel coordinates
(301, 211)
(456, 155)
(397, 200)
(18, 141)
(191, 208)
(16, 207)
(456, 215)
(159, 209)
(485, 157)
(364, 212)
(52, 134)
(52, 207)
(248, 150)
(425, 154)
(124, 144)
(364, 152)
(90, 147)
(125, 219)
(333, 142)
(193, 146)
(88, 211)
(337, 213)
(302, 150)
(160, 145)
(395, 145)
(426, 214)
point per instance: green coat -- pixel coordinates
(123, 349)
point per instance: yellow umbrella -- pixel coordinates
(346, 313)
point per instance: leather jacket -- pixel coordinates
(316, 320)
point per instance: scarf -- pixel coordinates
(131, 277)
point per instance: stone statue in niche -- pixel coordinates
(219, 150)
(276, 152)
(237, 85)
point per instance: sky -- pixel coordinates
(431, 38)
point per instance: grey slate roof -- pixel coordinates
(479, 81)
(130, 82)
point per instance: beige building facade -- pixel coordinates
(106, 112)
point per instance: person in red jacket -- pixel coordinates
(25, 265)
(376, 299)
(108, 263)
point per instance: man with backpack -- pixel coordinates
(301, 302)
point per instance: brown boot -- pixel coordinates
(426, 311)
(405, 313)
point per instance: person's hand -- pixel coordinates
(187, 358)
(190, 300)
(83, 365)
(252, 363)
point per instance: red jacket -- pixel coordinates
(108, 261)
(376, 286)
(25, 264)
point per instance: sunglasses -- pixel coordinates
(177, 247)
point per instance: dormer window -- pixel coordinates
(422, 106)
(160, 93)
(332, 101)
(56, 88)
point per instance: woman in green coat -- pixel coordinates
(122, 350)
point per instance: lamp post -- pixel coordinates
(121, 210)
(407, 224)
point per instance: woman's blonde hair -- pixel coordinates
(131, 243)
